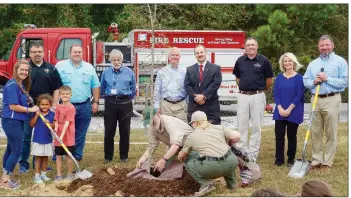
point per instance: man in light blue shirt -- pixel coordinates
(334, 79)
(118, 89)
(81, 77)
(170, 95)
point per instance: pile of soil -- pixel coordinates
(105, 184)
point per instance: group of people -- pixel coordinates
(254, 75)
(40, 99)
(186, 116)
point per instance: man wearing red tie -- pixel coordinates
(202, 80)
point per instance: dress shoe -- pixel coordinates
(107, 161)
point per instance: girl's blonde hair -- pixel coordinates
(26, 82)
(315, 189)
(297, 65)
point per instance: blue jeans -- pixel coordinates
(14, 133)
(27, 138)
(82, 122)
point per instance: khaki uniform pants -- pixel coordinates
(205, 171)
(178, 110)
(326, 119)
(250, 107)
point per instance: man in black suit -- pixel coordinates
(202, 80)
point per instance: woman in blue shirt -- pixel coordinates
(288, 114)
(14, 113)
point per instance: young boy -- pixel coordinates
(65, 129)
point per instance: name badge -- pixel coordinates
(114, 91)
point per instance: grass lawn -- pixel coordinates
(272, 176)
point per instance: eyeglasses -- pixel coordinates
(36, 52)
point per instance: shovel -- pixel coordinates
(302, 166)
(80, 174)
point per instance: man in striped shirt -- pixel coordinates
(334, 79)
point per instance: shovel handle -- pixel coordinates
(60, 141)
(315, 97)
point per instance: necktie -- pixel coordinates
(201, 71)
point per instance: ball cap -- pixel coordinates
(198, 116)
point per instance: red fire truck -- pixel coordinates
(223, 48)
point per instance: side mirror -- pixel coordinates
(23, 48)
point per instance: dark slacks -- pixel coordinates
(117, 110)
(280, 127)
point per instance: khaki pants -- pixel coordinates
(178, 110)
(250, 107)
(326, 119)
(205, 171)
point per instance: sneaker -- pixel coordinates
(290, 165)
(9, 185)
(48, 168)
(124, 160)
(205, 190)
(23, 170)
(70, 177)
(58, 178)
(44, 177)
(38, 180)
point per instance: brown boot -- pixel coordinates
(325, 169)
(317, 166)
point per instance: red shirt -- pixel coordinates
(65, 113)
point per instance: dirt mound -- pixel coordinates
(105, 184)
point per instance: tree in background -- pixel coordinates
(278, 27)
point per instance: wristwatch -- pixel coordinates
(164, 158)
(97, 102)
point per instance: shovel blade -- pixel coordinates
(299, 169)
(85, 174)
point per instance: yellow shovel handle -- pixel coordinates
(315, 97)
(60, 141)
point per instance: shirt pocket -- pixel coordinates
(333, 72)
(66, 76)
(87, 78)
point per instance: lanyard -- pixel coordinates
(115, 79)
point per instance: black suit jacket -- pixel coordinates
(211, 81)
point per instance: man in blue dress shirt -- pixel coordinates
(118, 89)
(170, 93)
(333, 81)
(81, 77)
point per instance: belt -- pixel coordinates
(209, 158)
(251, 92)
(327, 95)
(174, 102)
(79, 103)
(118, 97)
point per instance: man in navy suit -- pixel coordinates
(202, 80)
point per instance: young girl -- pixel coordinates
(42, 138)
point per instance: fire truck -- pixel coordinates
(223, 48)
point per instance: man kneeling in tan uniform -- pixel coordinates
(169, 130)
(211, 157)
